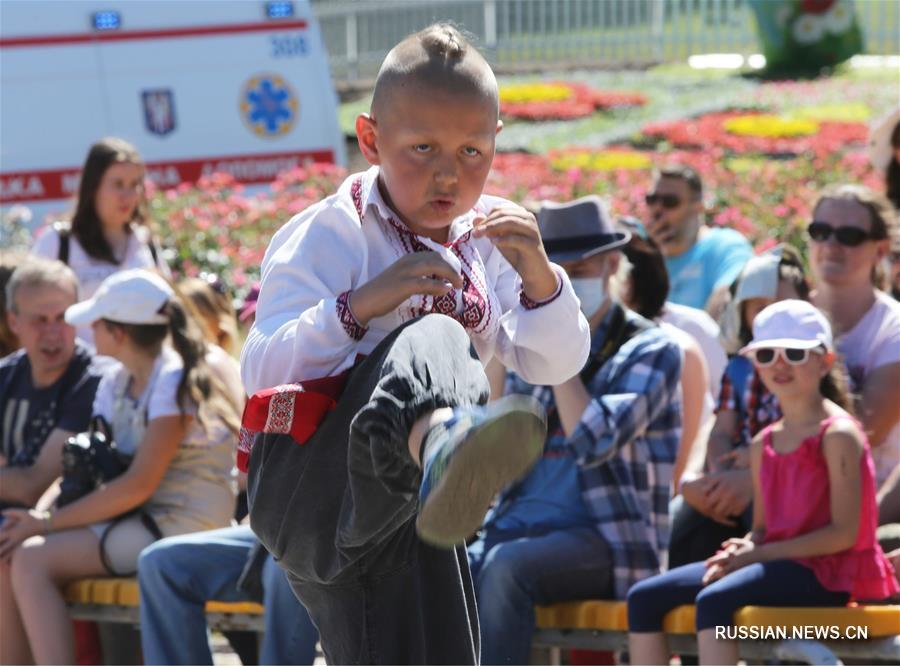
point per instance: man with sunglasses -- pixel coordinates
(702, 262)
(849, 237)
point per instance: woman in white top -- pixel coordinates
(849, 238)
(107, 232)
(167, 410)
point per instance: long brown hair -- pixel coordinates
(198, 385)
(835, 386)
(214, 311)
(86, 225)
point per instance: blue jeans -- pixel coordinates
(776, 583)
(513, 573)
(178, 575)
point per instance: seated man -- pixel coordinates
(178, 575)
(47, 387)
(702, 261)
(591, 518)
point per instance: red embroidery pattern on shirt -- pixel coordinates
(476, 311)
(348, 321)
(531, 304)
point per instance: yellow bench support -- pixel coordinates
(588, 624)
(124, 592)
(613, 616)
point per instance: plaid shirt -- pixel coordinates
(744, 393)
(625, 447)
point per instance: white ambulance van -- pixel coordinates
(198, 86)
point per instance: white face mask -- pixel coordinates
(591, 292)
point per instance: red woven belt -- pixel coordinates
(289, 409)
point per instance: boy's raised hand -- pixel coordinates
(423, 273)
(514, 231)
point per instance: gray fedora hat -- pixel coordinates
(577, 229)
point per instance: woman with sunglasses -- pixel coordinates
(849, 238)
(814, 513)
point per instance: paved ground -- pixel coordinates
(223, 655)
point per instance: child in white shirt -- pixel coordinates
(396, 463)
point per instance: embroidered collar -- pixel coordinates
(472, 306)
(370, 195)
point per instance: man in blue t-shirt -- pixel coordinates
(47, 387)
(702, 262)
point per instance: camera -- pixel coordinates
(89, 460)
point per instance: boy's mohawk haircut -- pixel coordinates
(439, 55)
(443, 40)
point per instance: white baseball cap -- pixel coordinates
(134, 296)
(790, 324)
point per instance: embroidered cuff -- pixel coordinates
(348, 321)
(530, 304)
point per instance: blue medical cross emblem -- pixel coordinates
(268, 105)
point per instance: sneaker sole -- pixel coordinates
(494, 455)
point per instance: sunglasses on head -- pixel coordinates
(215, 283)
(664, 200)
(849, 236)
(766, 356)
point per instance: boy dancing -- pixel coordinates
(384, 302)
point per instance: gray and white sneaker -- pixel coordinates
(471, 457)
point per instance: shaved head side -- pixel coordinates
(436, 58)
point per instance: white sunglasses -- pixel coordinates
(766, 356)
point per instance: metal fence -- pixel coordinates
(527, 34)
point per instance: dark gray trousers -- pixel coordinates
(338, 513)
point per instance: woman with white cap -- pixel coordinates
(814, 514)
(166, 409)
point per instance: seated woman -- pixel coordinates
(166, 410)
(814, 513)
(849, 240)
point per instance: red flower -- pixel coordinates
(816, 6)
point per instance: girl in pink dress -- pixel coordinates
(814, 513)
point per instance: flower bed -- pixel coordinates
(733, 131)
(766, 200)
(213, 227)
(561, 100)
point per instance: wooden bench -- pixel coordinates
(117, 600)
(603, 625)
(595, 625)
